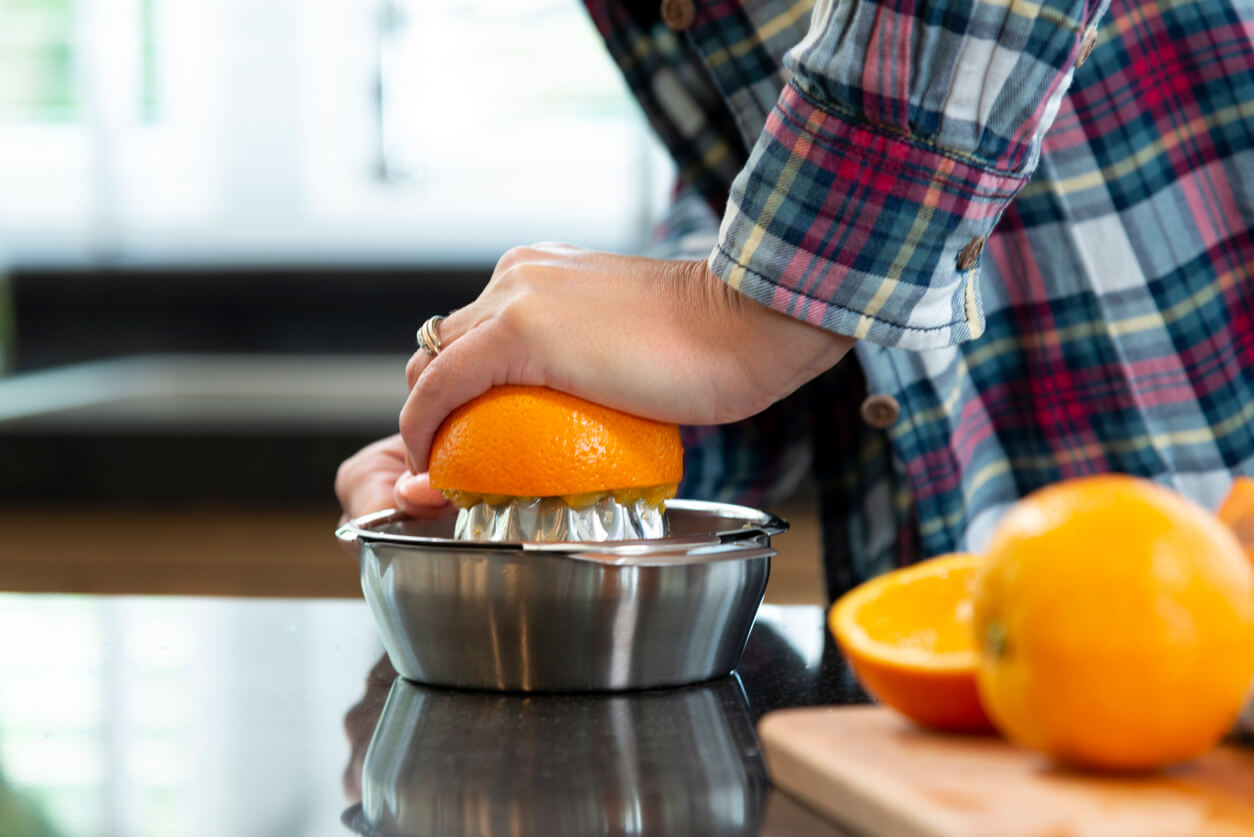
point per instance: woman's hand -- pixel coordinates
(667, 340)
(376, 478)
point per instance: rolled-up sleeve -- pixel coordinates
(904, 132)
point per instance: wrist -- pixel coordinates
(773, 343)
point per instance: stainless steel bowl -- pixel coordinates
(678, 761)
(566, 617)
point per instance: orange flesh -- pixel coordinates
(909, 638)
(1237, 512)
(932, 614)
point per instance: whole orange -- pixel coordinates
(537, 442)
(1115, 625)
(908, 638)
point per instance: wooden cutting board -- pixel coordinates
(872, 771)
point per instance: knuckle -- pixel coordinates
(513, 277)
(346, 477)
(407, 418)
(515, 256)
(514, 322)
(428, 382)
(411, 418)
(413, 368)
(550, 247)
(521, 339)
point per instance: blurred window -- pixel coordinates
(37, 53)
(40, 55)
(253, 131)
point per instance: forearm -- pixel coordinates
(890, 157)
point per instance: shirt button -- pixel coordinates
(678, 14)
(880, 411)
(970, 254)
(1086, 48)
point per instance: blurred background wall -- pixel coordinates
(221, 223)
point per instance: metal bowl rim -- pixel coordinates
(757, 524)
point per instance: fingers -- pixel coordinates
(479, 360)
(490, 303)
(449, 329)
(414, 495)
(364, 481)
(417, 363)
(377, 478)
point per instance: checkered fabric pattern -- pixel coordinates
(1108, 324)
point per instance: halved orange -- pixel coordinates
(1237, 513)
(909, 638)
(519, 441)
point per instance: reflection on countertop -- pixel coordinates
(674, 761)
(682, 761)
(185, 717)
(127, 716)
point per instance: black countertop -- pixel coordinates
(279, 718)
(683, 761)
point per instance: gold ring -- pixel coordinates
(428, 337)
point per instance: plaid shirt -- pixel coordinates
(1035, 216)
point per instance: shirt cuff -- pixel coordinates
(857, 229)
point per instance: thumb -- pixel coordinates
(415, 496)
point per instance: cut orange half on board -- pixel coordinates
(909, 638)
(1237, 512)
